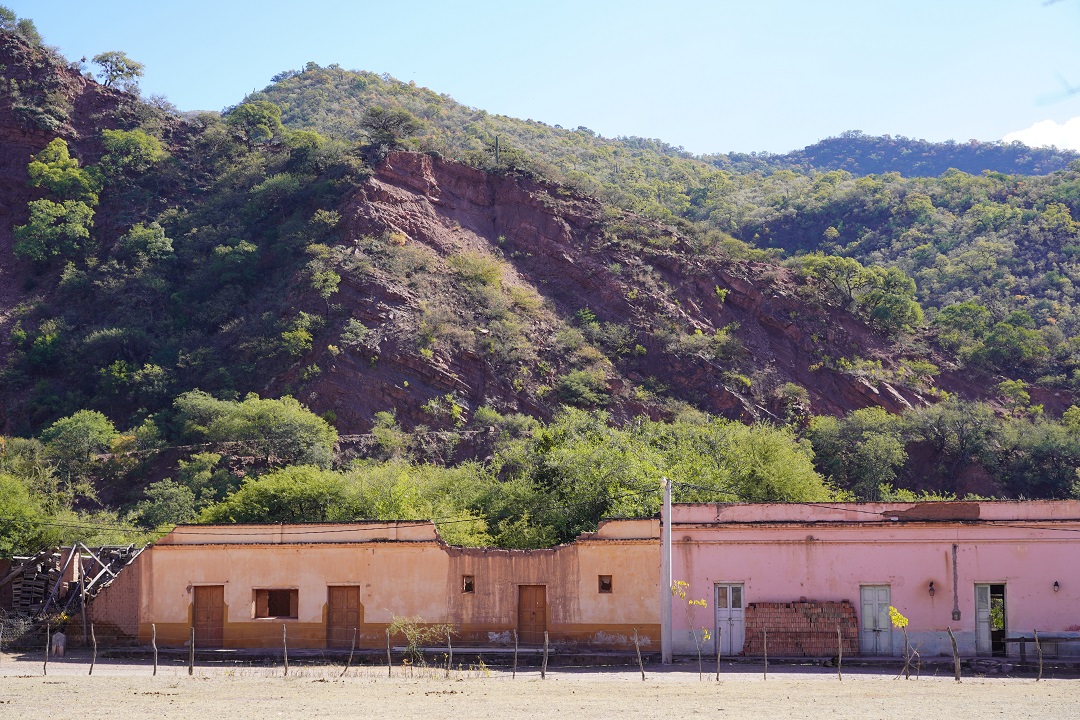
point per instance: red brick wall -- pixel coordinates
(115, 611)
(801, 629)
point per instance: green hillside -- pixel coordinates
(250, 316)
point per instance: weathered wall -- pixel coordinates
(115, 610)
(411, 578)
(830, 559)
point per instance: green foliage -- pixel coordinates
(861, 452)
(298, 493)
(22, 515)
(54, 230)
(583, 388)
(72, 442)
(118, 70)
(167, 503)
(280, 431)
(389, 128)
(130, 151)
(55, 170)
(257, 122)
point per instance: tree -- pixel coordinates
(55, 229)
(55, 170)
(889, 300)
(117, 69)
(20, 516)
(72, 442)
(299, 493)
(861, 452)
(258, 121)
(130, 151)
(388, 129)
(8, 19)
(842, 277)
(167, 503)
(281, 431)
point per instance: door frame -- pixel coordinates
(329, 609)
(985, 642)
(877, 620)
(213, 643)
(726, 635)
(543, 620)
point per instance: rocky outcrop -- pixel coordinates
(558, 244)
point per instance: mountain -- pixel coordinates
(860, 154)
(485, 324)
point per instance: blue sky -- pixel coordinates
(754, 75)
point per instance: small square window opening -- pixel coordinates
(468, 584)
(605, 583)
(276, 603)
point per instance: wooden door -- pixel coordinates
(532, 614)
(209, 616)
(730, 619)
(875, 635)
(344, 615)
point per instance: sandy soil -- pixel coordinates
(127, 690)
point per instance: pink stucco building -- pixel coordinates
(987, 570)
(809, 577)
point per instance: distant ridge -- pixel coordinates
(861, 154)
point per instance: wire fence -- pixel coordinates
(26, 644)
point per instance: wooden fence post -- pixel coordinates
(191, 653)
(48, 641)
(719, 646)
(93, 656)
(351, 651)
(389, 666)
(450, 653)
(514, 675)
(153, 643)
(637, 647)
(955, 655)
(840, 654)
(285, 647)
(543, 668)
(765, 648)
(1038, 649)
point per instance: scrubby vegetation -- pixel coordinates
(176, 268)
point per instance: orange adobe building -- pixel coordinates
(238, 585)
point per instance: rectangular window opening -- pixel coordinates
(275, 603)
(468, 584)
(605, 583)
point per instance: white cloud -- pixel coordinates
(1065, 136)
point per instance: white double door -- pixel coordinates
(875, 635)
(730, 618)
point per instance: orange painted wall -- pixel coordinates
(416, 577)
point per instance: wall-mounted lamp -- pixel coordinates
(1057, 586)
(931, 588)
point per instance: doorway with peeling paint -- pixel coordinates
(532, 614)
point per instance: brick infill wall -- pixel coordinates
(801, 629)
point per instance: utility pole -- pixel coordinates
(665, 575)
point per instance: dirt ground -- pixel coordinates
(127, 690)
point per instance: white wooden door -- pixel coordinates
(730, 618)
(875, 636)
(982, 620)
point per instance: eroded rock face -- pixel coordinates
(556, 243)
(564, 248)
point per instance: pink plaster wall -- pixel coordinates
(786, 552)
